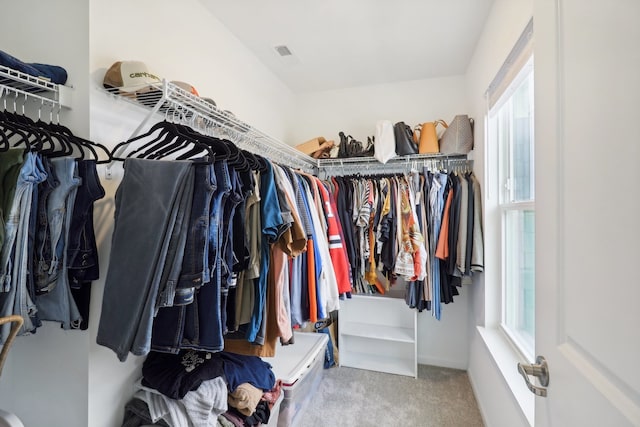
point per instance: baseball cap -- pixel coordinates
(130, 77)
(186, 87)
(209, 100)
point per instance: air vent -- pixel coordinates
(283, 50)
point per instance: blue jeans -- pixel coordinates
(203, 323)
(17, 300)
(145, 205)
(227, 249)
(52, 72)
(179, 226)
(42, 234)
(168, 325)
(58, 305)
(436, 206)
(48, 271)
(82, 250)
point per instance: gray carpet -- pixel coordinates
(350, 397)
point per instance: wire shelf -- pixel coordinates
(19, 84)
(399, 164)
(179, 105)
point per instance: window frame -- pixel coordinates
(522, 342)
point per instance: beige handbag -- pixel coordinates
(426, 136)
(458, 137)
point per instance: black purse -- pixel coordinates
(405, 145)
(351, 147)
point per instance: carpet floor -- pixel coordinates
(439, 397)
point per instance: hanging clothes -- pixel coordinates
(47, 236)
(269, 251)
(423, 228)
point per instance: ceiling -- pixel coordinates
(345, 43)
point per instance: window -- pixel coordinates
(510, 123)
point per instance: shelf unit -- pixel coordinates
(179, 105)
(27, 87)
(378, 334)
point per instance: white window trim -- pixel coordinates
(497, 339)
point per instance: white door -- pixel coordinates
(587, 77)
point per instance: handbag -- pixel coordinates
(458, 136)
(404, 139)
(351, 147)
(426, 136)
(385, 142)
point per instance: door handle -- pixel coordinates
(540, 369)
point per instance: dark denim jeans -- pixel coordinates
(168, 325)
(82, 251)
(203, 323)
(226, 250)
(42, 235)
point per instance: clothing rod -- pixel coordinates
(336, 167)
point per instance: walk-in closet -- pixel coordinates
(170, 257)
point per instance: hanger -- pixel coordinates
(164, 129)
(221, 148)
(11, 123)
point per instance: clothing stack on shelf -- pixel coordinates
(215, 248)
(51, 73)
(200, 388)
(424, 228)
(49, 256)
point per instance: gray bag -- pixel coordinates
(458, 136)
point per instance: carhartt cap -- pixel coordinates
(130, 76)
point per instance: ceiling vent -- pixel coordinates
(283, 50)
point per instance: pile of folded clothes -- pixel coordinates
(194, 388)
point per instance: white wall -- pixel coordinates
(183, 41)
(504, 25)
(356, 111)
(45, 378)
(62, 378)
(180, 43)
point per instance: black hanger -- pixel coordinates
(164, 128)
(81, 142)
(12, 129)
(262, 163)
(218, 146)
(251, 159)
(182, 139)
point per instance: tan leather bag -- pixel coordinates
(426, 136)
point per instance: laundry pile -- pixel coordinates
(202, 389)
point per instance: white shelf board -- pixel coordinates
(381, 332)
(372, 362)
